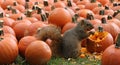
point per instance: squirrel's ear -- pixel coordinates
(82, 22)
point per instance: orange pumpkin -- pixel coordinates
(110, 55)
(99, 41)
(38, 53)
(59, 17)
(24, 43)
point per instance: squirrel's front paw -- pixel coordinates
(91, 32)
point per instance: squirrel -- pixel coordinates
(72, 38)
(68, 45)
(52, 35)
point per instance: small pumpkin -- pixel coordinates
(99, 41)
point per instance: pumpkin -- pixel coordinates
(32, 29)
(99, 41)
(112, 28)
(20, 29)
(59, 17)
(9, 49)
(69, 25)
(93, 4)
(38, 53)
(29, 16)
(24, 43)
(111, 54)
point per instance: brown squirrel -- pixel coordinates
(67, 46)
(72, 38)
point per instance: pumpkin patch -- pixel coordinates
(36, 32)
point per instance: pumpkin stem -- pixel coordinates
(1, 34)
(36, 3)
(1, 15)
(9, 8)
(109, 17)
(115, 4)
(39, 10)
(14, 11)
(93, 1)
(69, 3)
(118, 41)
(20, 18)
(101, 12)
(74, 19)
(45, 3)
(28, 13)
(34, 7)
(116, 13)
(103, 20)
(52, 7)
(14, 3)
(100, 29)
(26, 0)
(90, 16)
(47, 14)
(55, 1)
(111, 1)
(43, 17)
(107, 8)
(1, 23)
(26, 4)
(99, 5)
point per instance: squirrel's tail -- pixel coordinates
(52, 35)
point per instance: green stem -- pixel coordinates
(47, 14)
(26, 0)
(9, 8)
(14, 11)
(55, 1)
(107, 8)
(1, 15)
(45, 3)
(111, 1)
(118, 41)
(109, 17)
(69, 3)
(100, 29)
(29, 13)
(14, 3)
(90, 16)
(1, 34)
(39, 10)
(93, 1)
(115, 4)
(101, 12)
(43, 17)
(103, 20)
(20, 18)
(1, 23)
(116, 13)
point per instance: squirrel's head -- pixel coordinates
(86, 25)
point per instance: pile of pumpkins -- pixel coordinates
(20, 20)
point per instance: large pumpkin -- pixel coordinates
(8, 49)
(38, 53)
(111, 54)
(59, 17)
